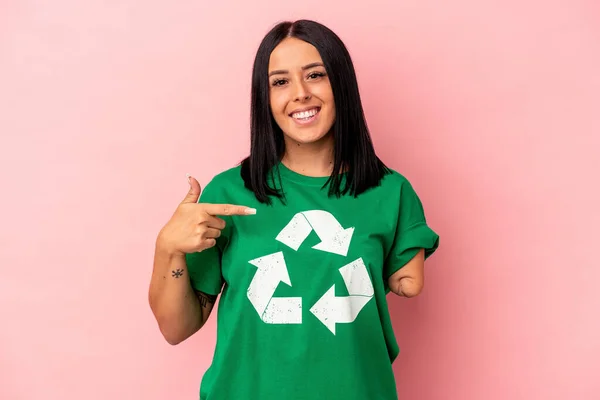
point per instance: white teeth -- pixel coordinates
(305, 114)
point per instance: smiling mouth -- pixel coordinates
(307, 116)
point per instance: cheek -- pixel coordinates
(332, 113)
(277, 104)
(326, 95)
(330, 105)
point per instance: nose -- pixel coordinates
(301, 92)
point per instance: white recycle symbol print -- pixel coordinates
(329, 309)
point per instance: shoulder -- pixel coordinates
(221, 184)
(394, 180)
(227, 177)
(397, 187)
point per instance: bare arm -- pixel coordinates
(194, 227)
(408, 281)
(179, 311)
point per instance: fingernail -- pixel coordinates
(250, 210)
(188, 176)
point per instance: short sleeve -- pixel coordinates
(205, 267)
(412, 232)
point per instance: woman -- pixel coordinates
(303, 240)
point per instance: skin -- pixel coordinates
(298, 80)
(179, 310)
(293, 86)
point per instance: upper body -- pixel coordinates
(303, 312)
(303, 241)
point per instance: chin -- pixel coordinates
(308, 137)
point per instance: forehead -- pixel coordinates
(293, 53)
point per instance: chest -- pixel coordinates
(309, 245)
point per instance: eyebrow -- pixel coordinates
(308, 66)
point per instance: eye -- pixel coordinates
(315, 75)
(279, 82)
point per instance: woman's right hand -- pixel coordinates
(194, 226)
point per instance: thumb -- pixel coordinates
(194, 193)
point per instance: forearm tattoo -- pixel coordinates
(177, 273)
(206, 299)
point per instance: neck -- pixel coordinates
(312, 159)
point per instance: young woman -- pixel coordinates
(303, 240)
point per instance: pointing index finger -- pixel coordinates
(228, 209)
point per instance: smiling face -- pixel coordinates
(300, 94)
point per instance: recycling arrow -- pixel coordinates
(334, 238)
(331, 310)
(272, 269)
(273, 310)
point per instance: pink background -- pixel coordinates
(490, 108)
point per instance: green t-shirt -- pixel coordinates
(303, 313)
